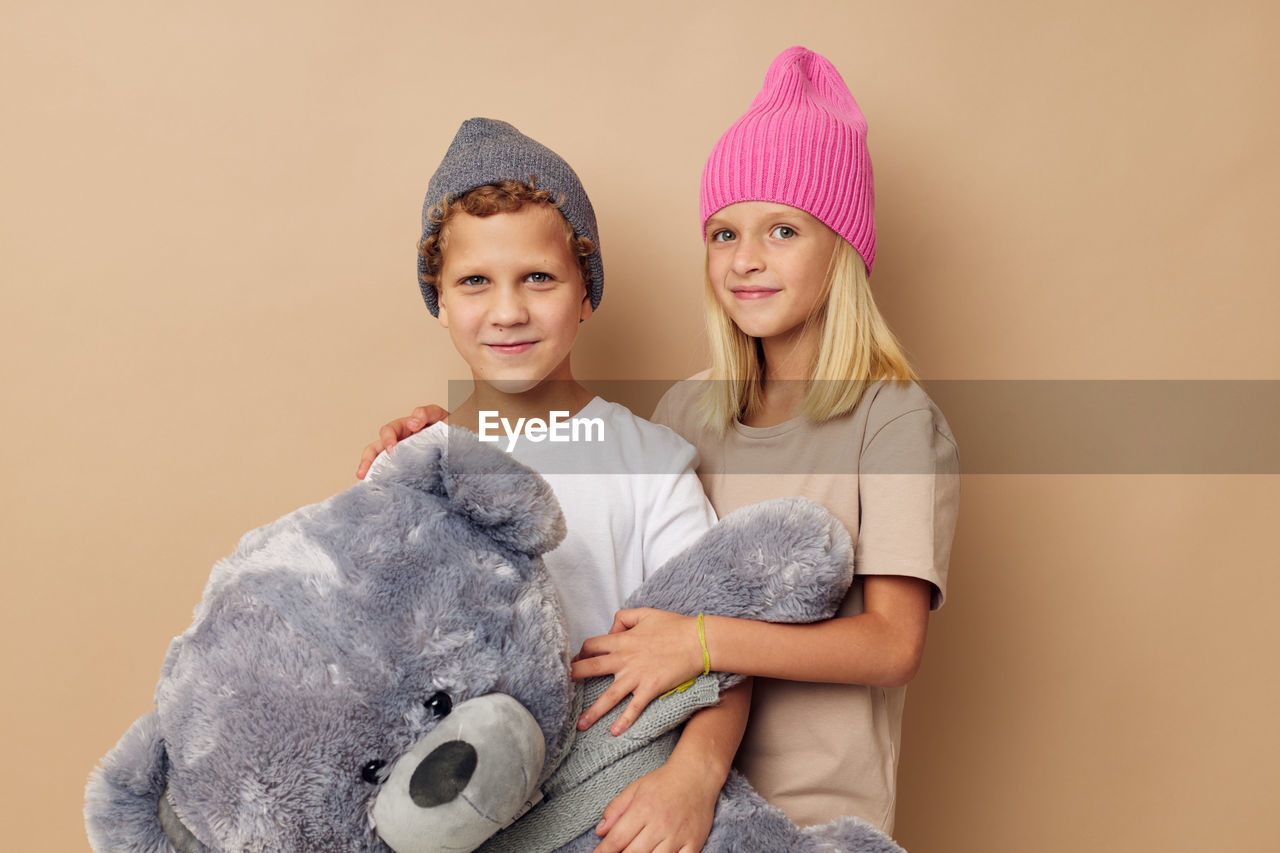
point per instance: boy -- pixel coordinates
(509, 263)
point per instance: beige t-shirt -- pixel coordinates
(889, 470)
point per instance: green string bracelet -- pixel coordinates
(706, 661)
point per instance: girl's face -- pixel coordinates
(767, 264)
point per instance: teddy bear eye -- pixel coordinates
(369, 772)
(439, 704)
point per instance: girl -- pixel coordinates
(808, 394)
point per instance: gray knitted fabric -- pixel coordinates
(599, 766)
(486, 150)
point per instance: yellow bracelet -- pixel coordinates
(702, 638)
(706, 661)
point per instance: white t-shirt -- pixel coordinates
(630, 499)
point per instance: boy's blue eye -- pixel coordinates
(539, 277)
(783, 232)
(475, 280)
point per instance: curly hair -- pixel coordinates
(498, 197)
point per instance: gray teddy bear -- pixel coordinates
(388, 671)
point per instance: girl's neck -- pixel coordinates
(780, 402)
(788, 365)
(792, 354)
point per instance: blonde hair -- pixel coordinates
(855, 349)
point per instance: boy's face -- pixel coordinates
(511, 295)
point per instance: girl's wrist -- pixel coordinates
(702, 656)
(713, 630)
(697, 661)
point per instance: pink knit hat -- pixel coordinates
(802, 143)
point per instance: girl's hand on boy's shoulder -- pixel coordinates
(665, 810)
(647, 652)
(397, 430)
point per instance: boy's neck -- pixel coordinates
(538, 402)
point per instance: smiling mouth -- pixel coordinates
(511, 349)
(753, 293)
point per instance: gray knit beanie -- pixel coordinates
(485, 151)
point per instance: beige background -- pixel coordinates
(209, 218)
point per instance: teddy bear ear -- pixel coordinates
(507, 500)
(125, 804)
(510, 501)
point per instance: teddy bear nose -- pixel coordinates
(443, 774)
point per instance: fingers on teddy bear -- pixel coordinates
(388, 670)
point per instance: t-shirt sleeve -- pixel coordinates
(909, 494)
(675, 511)
(668, 411)
(662, 411)
(678, 408)
(683, 511)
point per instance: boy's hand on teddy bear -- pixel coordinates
(398, 430)
(666, 811)
(648, 652)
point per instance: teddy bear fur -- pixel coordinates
(388, 671)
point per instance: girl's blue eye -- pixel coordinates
(724, 235)
(784, 232)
